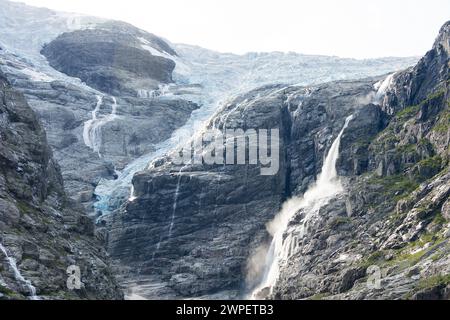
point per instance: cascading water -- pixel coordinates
(92, 131)
(174, 210)
(382, 87)
(107, 188)
(326, 187)
(88, 134)
(175, 202)
(17, 275)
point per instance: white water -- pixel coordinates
(383, 86)
(326, 187)
(17, 275)
(174, 209)
(92, 131)
(175, 201)
(88, 134)
(210, 103)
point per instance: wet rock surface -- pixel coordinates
(65, 108)
(194, 227)
(189, 231)
(42, 232)
(391, 241)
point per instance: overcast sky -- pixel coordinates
(346, 28)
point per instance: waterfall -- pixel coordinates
(132, 196)
(172, 218)
(198, 119)
(326, 187)
(17, 275)
(88, 125)
(175, 200)
(383, 86)
(92, 131)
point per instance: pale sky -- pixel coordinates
(346, 28)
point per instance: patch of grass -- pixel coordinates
(24, 207)
(375, 258)
(439, 219)
(435, 95)
(443, 123)
(396, 186)
(407, 148)
(433, 281)
(319, 296)
(432, 163)
(340, 221)
(409, 258)
(6, 291)
(408, 112)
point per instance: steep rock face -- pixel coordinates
(395, 157)
(42, 232)
(137, 110)
(111, 58)
(192, 228)
(104, 144)
(134, 67)
(412, 86)
(387, 236)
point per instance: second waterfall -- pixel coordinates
(326, 187)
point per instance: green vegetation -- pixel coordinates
(407, 113)
(443, 123)
(438, 94)
(427, 168)
(319, 296)
(439, 219)
(24, 207)
(432, 282)
(398, 185)
(9, 293)
(408, 256)
(375, 258)
(406, 148)
(6, 291)
(338, 221)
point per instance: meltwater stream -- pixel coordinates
(92, 131)
(326, 187)
(17, 275)
(106, 189)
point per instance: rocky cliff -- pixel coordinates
(393, 223)
(42, 232)
(216, 214)
(112, 59)
(198, 230)
(111, 95)
(113, 98)
(104, 130)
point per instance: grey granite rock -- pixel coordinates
(193, 228)
(42, 232)
(111, 59)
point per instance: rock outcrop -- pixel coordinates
(386, 237)
(115, 60)
(42, 232)
(123, 128)
(195, 226)
(193, 230)
(112, 58)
